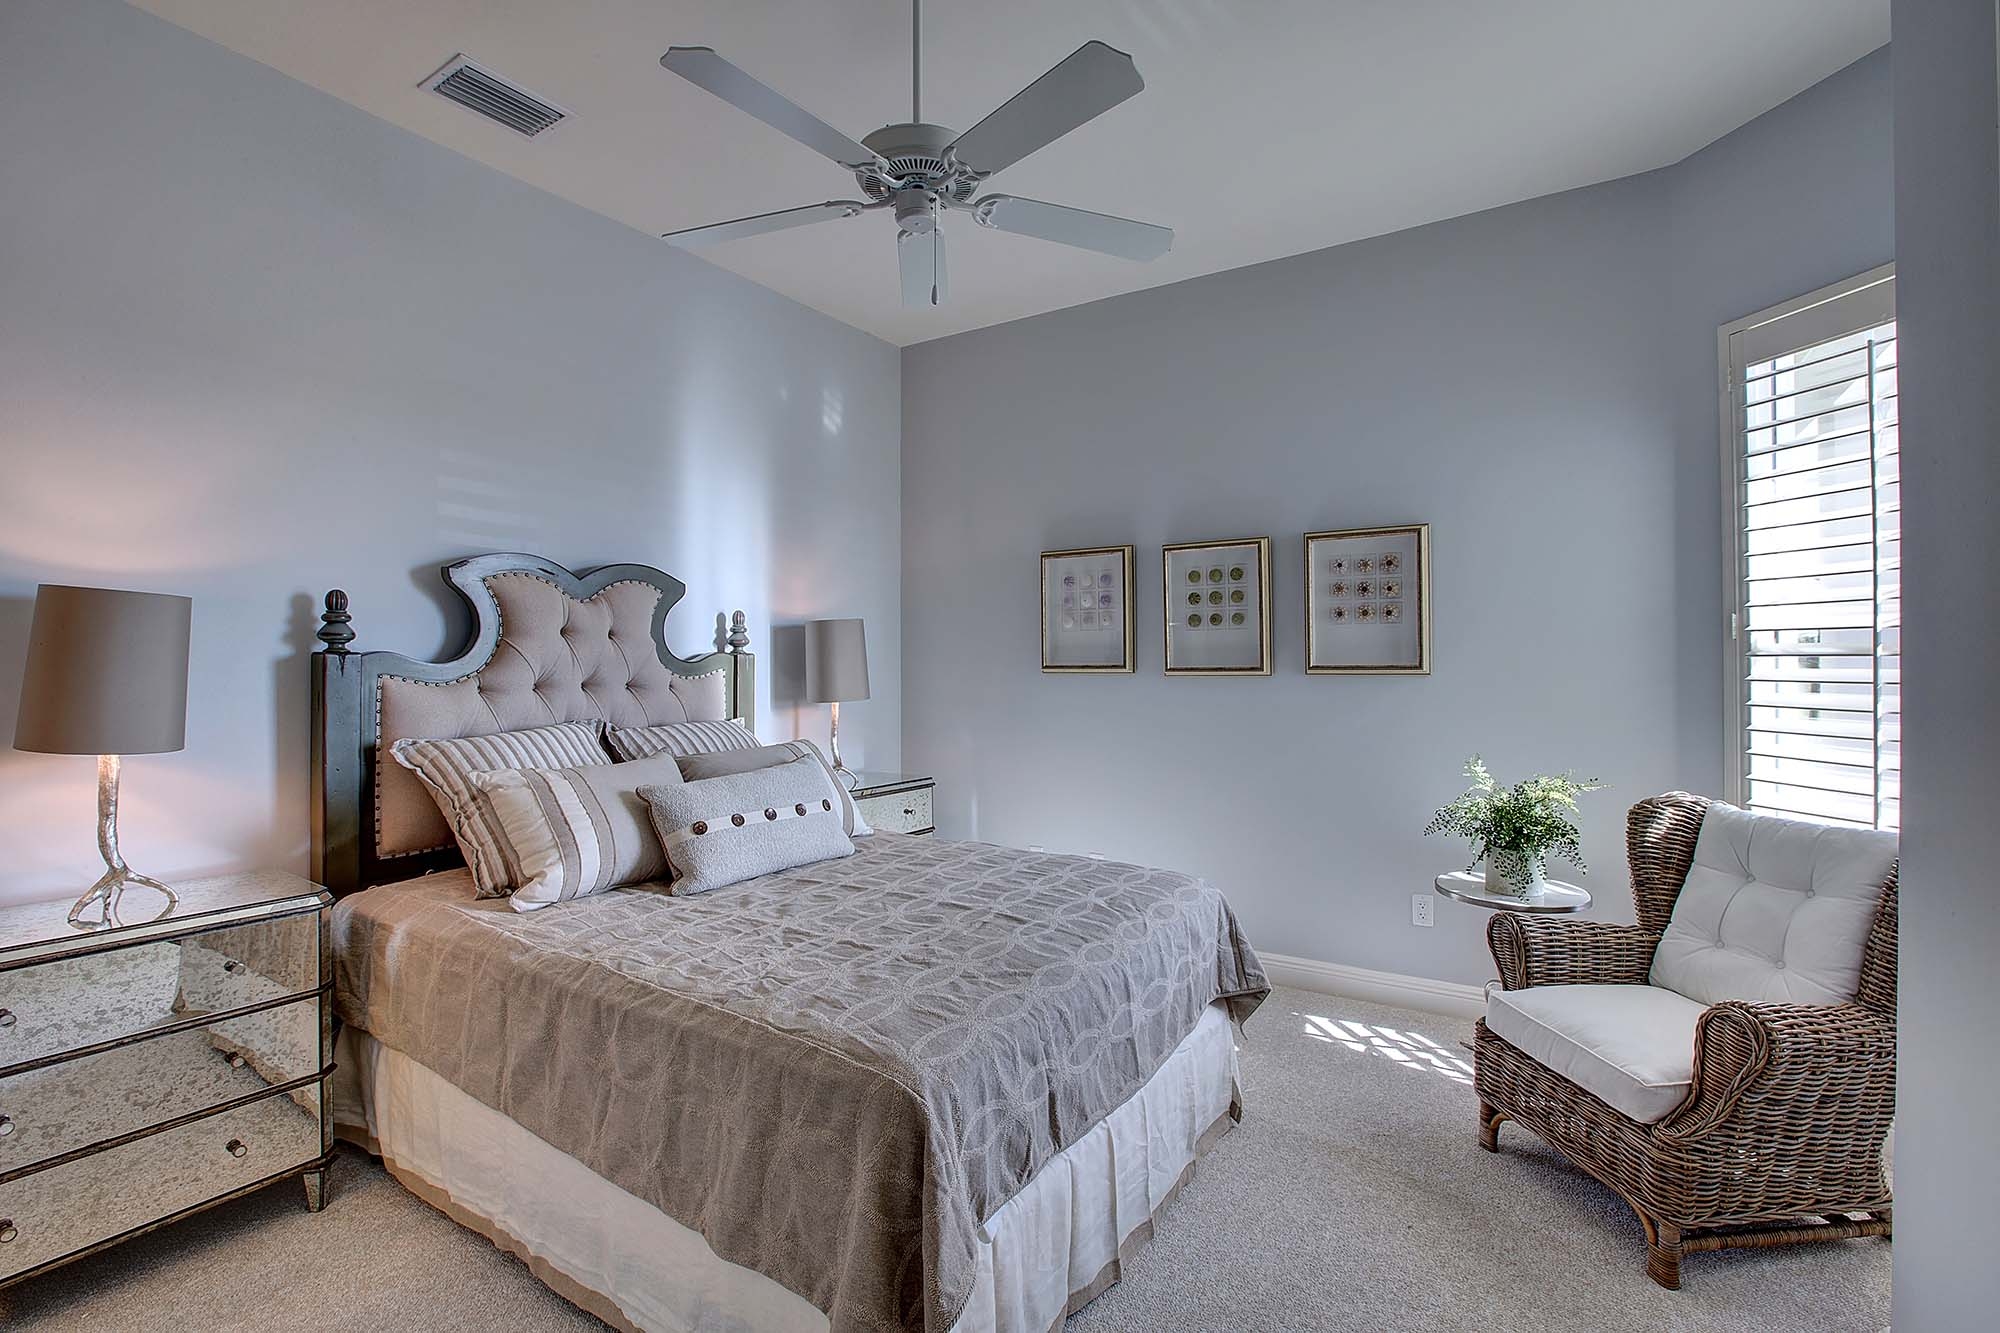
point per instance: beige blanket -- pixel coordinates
(833, 1073)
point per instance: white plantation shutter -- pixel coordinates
(1815, 634)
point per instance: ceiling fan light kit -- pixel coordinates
(919, 171)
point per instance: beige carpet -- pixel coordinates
(1353, 1197)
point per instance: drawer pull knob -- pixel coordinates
(231, 965)
(7, 1231)
(235, 1061)
(6, 1018)
(909, 809)
(6, 1125)
(237, 1147)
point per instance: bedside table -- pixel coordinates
(896, 802)
(1557, 897)
(150, 1070)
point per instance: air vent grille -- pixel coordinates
(479, 89)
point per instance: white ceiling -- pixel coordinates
(1267, 127)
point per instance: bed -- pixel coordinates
(939, 1086)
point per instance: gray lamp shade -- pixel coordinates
(836, 661)
(107, 673)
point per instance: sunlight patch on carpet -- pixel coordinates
(1412, 1050)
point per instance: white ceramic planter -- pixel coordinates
(1530, 892)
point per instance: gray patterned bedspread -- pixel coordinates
(834, 1073)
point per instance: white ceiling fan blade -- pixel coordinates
(782, 220)
(702, 67)
(1074, 226)
(921, 259)
(1090, 81)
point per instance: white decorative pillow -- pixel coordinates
(571, 832)
(446, 768)
(725, 830)
(679, 738)
(720, 763)
(1774, 911)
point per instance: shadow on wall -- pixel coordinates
(453, 613)
(291, 702)
(16, 614)
(787, 656)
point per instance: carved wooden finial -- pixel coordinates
(739, 633)
(334, 629)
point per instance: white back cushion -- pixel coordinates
(1774, 911)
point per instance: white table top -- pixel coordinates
(1557, 896)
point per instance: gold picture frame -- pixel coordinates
(1348, 630)
(1066, 628)
(1223, 586)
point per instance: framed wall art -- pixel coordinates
(1087, 609)
(1218, 607)
(1368, 601)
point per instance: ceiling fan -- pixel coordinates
(921, 171)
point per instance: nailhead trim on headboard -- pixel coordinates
(382, 757)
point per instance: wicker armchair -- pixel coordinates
(1780, 1136)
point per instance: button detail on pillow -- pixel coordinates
(723, 830)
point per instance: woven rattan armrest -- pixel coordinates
(1544, 951)
(1792, 1065)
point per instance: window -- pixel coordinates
(1810, 453)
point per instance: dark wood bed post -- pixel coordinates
(742, 673)
(336, 751)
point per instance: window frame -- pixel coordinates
(1864, 293)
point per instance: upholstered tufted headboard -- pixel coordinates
(547, 646)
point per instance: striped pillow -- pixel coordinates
(573, 832)
(446, 768)
(679, 738)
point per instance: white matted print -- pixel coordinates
(1218, 607)
(1368, 600)
(1087, 609)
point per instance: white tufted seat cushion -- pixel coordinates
(1630, 1046)
(1774, 911)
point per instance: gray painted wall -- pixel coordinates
(1536, 382)
(255, 343)
(1948, 310)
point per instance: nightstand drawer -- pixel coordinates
(50, 1214)
(899, 812)
(69, 1003)
(58, 1108)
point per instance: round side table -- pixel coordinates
(1557, 897)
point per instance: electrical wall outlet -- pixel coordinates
(1420, 909)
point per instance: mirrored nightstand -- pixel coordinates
(151, 1070)
(896, 802)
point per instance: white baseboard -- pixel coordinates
(1451, 998)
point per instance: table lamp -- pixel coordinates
(836, 672)
(106, 675)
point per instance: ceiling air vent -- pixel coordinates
(474, 86)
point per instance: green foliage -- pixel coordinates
(1516, 826)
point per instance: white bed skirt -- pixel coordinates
(1047, 1250)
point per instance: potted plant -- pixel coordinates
(1516, 829)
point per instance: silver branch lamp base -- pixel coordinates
(99, 907)
(841, 772)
